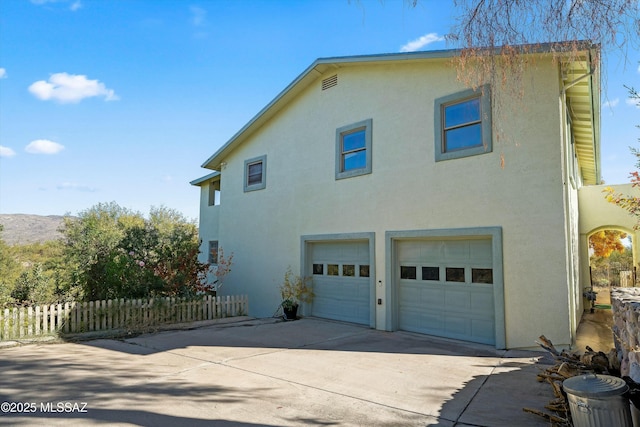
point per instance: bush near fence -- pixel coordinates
(120, 314)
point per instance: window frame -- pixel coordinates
(367, 125)
(484, 94)
(211, 259)
(263, 182)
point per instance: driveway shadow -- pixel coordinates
(308, 372)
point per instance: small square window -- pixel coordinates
(349, 270)
(455, 274)
(463, 124)
(364, 271)
(255, 171)
(353, 149)
(213, 252)
(408, 272)
(332, 270)
(318, 269)
(431, 273)
(481, 275)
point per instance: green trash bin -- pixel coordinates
(598, 401)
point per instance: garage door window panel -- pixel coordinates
(482, 275)
(333, 270)
(318, 269)
(455, 274)
(408, 272)
(431, 273)
(364, 271)
(349, 270)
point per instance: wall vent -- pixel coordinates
(330, 82)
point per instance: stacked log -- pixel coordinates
(567, 365)
(625, 306)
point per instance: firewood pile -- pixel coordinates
(567, 365)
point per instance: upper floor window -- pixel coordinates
(463, 124)
(353, 149)
(255, 173)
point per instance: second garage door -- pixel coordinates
(341, 281)
(445, 288)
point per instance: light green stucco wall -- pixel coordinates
(518, 187)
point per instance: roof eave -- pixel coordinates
(204, 179)
(321, 65)
(316, 69)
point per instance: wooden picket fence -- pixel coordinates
(118, 314)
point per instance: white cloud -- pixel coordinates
(73, 186)
(612, 103)
(633, 102)
(43, 146)
(70, 88)
(74, 6)
(3, 73)
(6, 152)
(638, 68)
(198, 16)
(421, 42)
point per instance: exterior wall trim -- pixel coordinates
(307, 240)
(495, 233)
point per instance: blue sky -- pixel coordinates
(124, 100)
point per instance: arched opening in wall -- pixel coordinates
(611, 263)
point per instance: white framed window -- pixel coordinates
(463, 124)
(255, 173)
(353, 149)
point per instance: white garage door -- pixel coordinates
(341, 281)
(446, 288)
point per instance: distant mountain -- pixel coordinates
(21, 229)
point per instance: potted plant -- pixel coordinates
(294, 290)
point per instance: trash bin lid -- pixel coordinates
(593, 385)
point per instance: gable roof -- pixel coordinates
(581, 90)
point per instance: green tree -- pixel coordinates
(33, 287)
(9, 272)
(117, 253)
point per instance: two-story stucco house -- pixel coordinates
(412, 202)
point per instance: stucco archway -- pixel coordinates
(596, 214)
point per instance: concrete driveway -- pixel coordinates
(268, 373)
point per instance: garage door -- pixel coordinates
(341, 281)
(446, 288)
